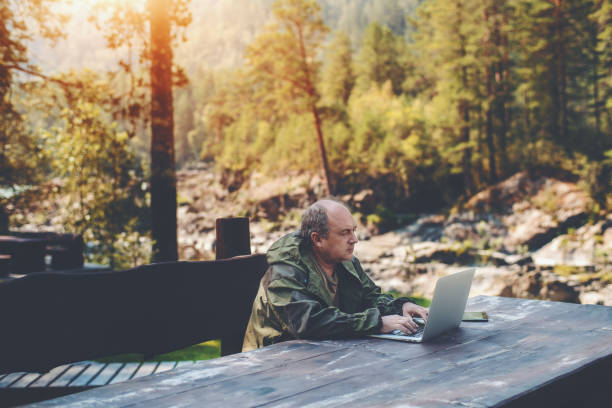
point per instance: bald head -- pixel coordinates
(330, 205)
(329, 228)
(316, 217)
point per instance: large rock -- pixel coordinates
(557, 206)
(585, 247)
(500, 197)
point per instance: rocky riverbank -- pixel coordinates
(527, 237)
(531, 237)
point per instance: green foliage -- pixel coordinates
(423, 107)
(480, 90)
(283, 59)
(289, 140)
(338, 79)
(102, 180)
(281, 80)
(596, 180)
(379, 59)
(22, 160)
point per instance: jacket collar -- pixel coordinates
(315, 280)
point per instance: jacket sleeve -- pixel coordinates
(373, 296)
(305, 316)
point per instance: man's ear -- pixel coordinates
(316, 238)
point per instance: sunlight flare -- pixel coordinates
(138, 5)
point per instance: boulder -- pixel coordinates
(500, 197)
(556, 290)
(557, 206)
(586, 247)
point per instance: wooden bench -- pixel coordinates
(27, 251)
(54, 318)
(66, 250)
(25, 254)
(69, 378)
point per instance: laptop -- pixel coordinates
(445, 312)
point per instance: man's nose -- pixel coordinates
(354, 239)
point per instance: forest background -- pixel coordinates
(425, 102)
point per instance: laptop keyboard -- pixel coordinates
(417, 334)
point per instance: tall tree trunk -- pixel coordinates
(490, 98)
(504, 88)
(563, 82)
(322, 152)
(464, 113)
(559, 84)
(595, 79)
(505, 111)
(163, 177)
(310, 90)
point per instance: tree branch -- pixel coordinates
(38, 74)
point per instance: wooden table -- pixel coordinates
(530, 353)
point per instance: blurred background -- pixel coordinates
(463, 132)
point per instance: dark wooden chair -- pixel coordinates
(54, 318)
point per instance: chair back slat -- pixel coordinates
(54, 318)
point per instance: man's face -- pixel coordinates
(340, 242)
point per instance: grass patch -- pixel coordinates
(417, 299)
(202, 351)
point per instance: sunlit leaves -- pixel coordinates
(100, 176)
(338, 78)
(379, 58)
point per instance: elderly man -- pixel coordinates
(315, 288)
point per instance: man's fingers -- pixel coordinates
(409, 326)
(402, 323)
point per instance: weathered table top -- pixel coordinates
(526, 347)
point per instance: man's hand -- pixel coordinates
(412, 310)
(397, 322)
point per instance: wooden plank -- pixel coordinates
(87, 375)
(205, 373)
(45, 379)
(107, 374)
(26, 380)
(10, 379)
(145, 369)
(70, 374)
(126, 372)
(165, 366)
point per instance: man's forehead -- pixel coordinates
(339, 217)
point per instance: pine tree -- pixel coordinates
(379, 58)
(497, 95)
(283, 60)
(338, 79)
(554, 69)
(449, 36)
(601, 19)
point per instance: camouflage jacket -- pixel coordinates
(291, 303)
